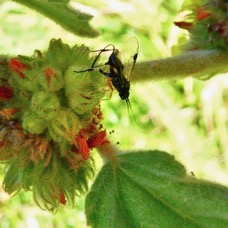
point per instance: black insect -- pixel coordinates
(119, 74)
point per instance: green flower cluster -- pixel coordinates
(50, 119)
(207, 24)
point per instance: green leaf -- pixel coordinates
(59, 11)
(151, 189)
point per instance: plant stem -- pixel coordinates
(198, 64)
(108, 152)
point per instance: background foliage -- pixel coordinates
(187, 118)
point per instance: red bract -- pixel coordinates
(91, 136)
(49, 73)
(62, 198)
(5, 92)
(183, 25)
(81, 140)
(85, 144)
(97, 140)
(18, 67)
(201, 14)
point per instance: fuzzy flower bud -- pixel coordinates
(207, 24)
(44, 104)
(18, 67)
(33, 123)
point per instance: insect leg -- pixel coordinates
(110, 86)
(109, 75)
(89, 69)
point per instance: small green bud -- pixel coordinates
(45, 104)
(83, 93)
(33, 124)
(65, 125)
(50, 79)
(58, 54)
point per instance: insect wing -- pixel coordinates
(130, 51)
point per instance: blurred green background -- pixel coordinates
(187, 118)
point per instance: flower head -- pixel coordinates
(207, 25)
(51, 124)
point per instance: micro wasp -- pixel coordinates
(119, 74)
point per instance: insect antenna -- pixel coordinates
(134, 61)
(93, 67)
(101, 51)
(129, 108)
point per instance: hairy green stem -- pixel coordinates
(198, 64)
(60, 12)
(108, 152)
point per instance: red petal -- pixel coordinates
(81, 140)
(183, 25)
(97, 139)
(202, 14)
(16, 66)
(49, 73)
(74, 149)
(8, 112)
(5, 92)
(62, 198)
